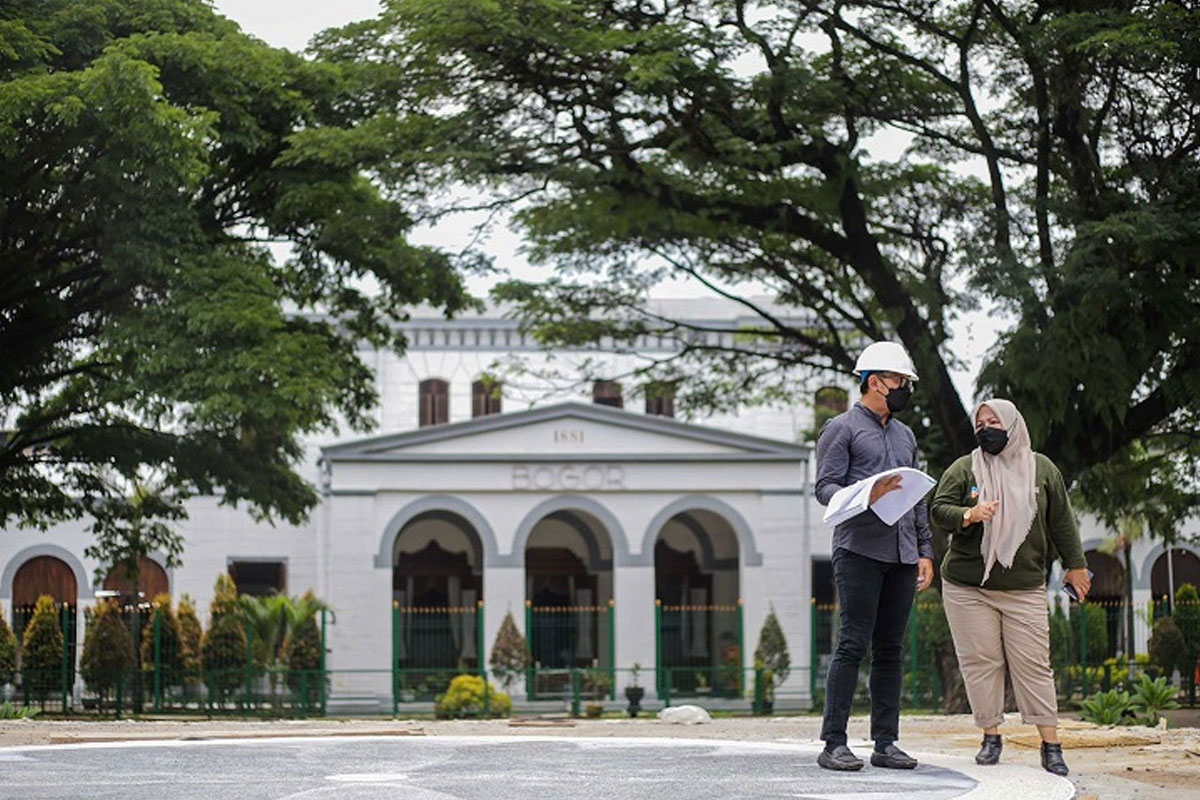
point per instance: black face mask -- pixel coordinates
(992, 440)
(897, 399)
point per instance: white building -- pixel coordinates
(614, 535)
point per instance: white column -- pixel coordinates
(633, 591)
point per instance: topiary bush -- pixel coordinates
(465, 698)
(510, 653)
(165, 627)
(1167, 648)
(772, 655)
(42, 651)
(191, 636)
(1187, 617)
(1097, 633)
(223, 650)
(8, 651)
(108, 656)
(302, 652)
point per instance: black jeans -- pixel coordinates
(876, 598)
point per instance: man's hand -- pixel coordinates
(1080, 580)
(882, 486)
(982, 512)
(924, 573)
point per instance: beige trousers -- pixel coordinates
(991, 628)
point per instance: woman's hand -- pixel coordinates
(924, 573)
(981, 513)
(1080, 580)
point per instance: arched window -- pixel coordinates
(607, 393)
(485, 397)
(434, 402)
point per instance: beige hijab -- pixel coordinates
(1009, 478)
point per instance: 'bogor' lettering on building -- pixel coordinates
(550, 477)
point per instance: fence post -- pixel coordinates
(612, 648)
(529, 687)
(757, 706)
(66, 654)
(658, 658)
(812, 651)
(912, 655)
(249, 669)
(1083, 649)
(741, 643)
(157, 659)
(324, 673)
(395, 658)
(479, 640)
(574, 692)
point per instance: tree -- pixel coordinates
(510, 654)
(190, 636)
(302, 651)
(745, 147)
(42, 651)
(1168, 650)
(148, 158)
(772, 651)
(162, 638)
(8, 651)
(1187, 618)
(108, 657)
(223, 651)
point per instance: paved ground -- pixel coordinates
(53, 759)
(477, 768)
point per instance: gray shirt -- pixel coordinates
(856, 445)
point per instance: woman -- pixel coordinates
(1008, 510)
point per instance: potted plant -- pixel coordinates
(633, 692)
(772, 658)
(702, 686)
(593, 710)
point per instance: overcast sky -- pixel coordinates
(291, 23)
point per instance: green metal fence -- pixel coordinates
(430, 646)
(573, 650)
(700, 650)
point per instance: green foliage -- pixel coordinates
(772, 650)
(108, 656)
(1187, 617)
(465, 698)
(163, 628)
(9, 711)
(510, 653)
(8, 651)
(224, 600)
(223, 649)
(265, 621)
(302, 650)
(42, 650)
(1113, 707)
(1153, 696)
(1062, 653)
(1167, 648)
(148, 150)
(1097, 633)
(191, 634)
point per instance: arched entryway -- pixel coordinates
(151, 581)
(1171, 570)
(46, 575)
(437, 589)
(569, 598)
(1108, 593)
(700, 637)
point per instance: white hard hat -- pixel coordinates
(886, 357)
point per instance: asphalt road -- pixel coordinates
(441, 768)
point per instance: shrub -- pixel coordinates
(465, 698)
(42, 650)
(1113, 707)
(1187, 617)
(9, 711)
(1167, 648)
(1097, 633)
(8, 651)
(1153, 696)
(170, 642)
(190, 636)
(224, 601)
(510, 654)
(223, 650)
(772, 650)
(108, 655)
(302, 651)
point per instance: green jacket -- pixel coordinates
(1054, 532)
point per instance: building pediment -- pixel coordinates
(564, 432)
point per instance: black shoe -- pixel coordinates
(892, 757)
(840, 758)
(989, 751)
(1052, 760)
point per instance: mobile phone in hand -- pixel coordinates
(1069, 590)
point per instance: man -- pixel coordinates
(877, 567)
